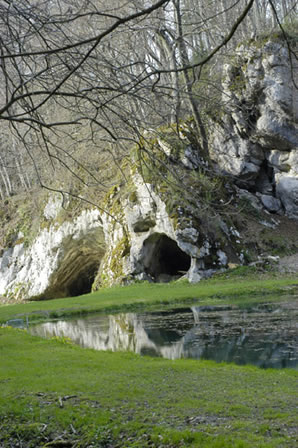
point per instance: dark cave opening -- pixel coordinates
(163, 258)
(265, 181)
(78, 264)
(82, 282)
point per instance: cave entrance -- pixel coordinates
(76, 274)
(163, 258)
(78, 265)
(83, 281)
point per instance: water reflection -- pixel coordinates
(265, 335)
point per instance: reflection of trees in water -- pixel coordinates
(263, 338)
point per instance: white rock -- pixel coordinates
(287, 191)
(222, 257)
(270, 203)
(260, 123)
(53, 207)
(28, 271)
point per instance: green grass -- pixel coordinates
(52, 390)
(231, 287)
(55, 394)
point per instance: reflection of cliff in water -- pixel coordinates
(264, 336)
(122, 332)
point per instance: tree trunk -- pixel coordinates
(188, 82)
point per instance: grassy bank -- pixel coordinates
(54, 394)
(234, 289)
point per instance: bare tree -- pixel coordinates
(82, 81)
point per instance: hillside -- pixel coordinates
(172, 211)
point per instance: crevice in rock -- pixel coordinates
(163, 259)
(265, 181)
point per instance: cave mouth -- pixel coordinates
(78, 266)
(163, 258)
(75, 275)
(82, 282)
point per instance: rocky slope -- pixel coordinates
(174, 217)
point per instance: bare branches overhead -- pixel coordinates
(90, 76)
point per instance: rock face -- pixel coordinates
(256, 139)
(147, 242)
(61, 261)
(153, 231)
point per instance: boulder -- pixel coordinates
(173, 246)
(271, 203)
(287, 192)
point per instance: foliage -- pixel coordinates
(287, 32)
(280, 245)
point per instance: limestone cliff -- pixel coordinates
(174, 215)
(60, 261)
(162, 232)
(151, 237)
(256, 138)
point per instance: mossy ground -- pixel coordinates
(56, 394)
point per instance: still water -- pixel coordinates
(265, 335)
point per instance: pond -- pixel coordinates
(265, 335)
